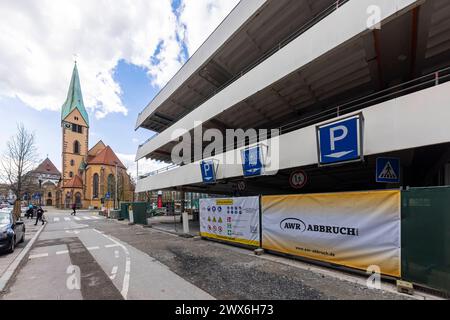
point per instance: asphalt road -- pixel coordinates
(72, 260)
(92, 258)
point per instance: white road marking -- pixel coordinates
(114, 272)
(126, 277)
(62, 252)
(75, 232)
(96, 218)
(116, 254)
(56, 219)
(67, 219)
(77, 218)
(87, 218)
(112, 245)
(36, 256)
(93, 248)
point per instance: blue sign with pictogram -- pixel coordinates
(208, 168)
(341, 141)
(108, 195)
(388, 170)
(252, 162)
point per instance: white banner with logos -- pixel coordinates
(231, 219)
(355, 229)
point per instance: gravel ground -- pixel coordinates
(230, 274)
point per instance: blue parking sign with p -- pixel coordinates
(208, 171)
(340, 141)
(252, 162)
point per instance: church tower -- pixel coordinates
(75, 132)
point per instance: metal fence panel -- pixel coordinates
(426, 237)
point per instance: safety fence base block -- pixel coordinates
(405, 287)
(259, 252)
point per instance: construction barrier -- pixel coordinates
(235, 220)
(356, 229)
(426, 237)
(404, 234)
(140, 212)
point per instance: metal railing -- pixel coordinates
(311, 23)
(433, 79)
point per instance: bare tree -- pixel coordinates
(17, 161)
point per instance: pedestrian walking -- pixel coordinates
(39, 216)
(30, 212)
(74, 208)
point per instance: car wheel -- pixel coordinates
(13, 245)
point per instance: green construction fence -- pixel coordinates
(426, 237)
(141, 211)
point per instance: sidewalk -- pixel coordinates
(7, 259)
(173, 225)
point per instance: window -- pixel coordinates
(111, 185)
(49, 195)
(71, 174)
(77, 128)
(76, 147)
(72, 163)
(95, 186)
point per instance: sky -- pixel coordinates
(126, 51)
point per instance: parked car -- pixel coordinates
(11, 232)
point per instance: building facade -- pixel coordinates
(296, 66)
(91, 178)
(46, 180)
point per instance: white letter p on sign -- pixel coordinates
(334, 138)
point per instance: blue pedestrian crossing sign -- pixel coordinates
(108, 195)
(208, 168)
(388, 170)
(341, 141)
(252, 161)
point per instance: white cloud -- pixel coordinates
(201, 17)
(39, 38)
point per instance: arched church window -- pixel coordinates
(72, 163)
(95, 186)
(76, 147)
(111, 185)
(71, 174)
(49, 194)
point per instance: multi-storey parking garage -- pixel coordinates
(294, 65)
(340, 115)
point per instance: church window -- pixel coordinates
(77, 128)
(71, 174)
(111, 186)
(49, 195)
(76, 147)
(95, 187)
(72, 163)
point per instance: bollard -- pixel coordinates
(185, 223)
(131, 215)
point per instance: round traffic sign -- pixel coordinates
(242, 185)
(298, 179)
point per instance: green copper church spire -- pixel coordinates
(74, 98)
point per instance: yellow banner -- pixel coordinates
(224, 202)
(252, 243)
(355, 229)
